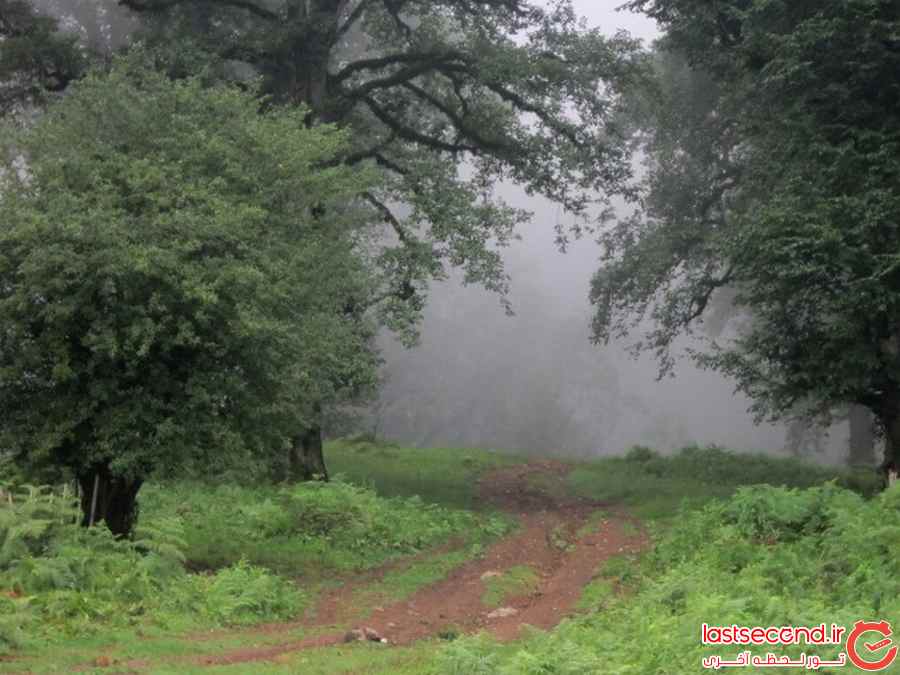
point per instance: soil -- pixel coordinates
(548, 541)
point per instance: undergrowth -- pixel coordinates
(655, 486)
(60, 580)
(769, 555)
(310, 530)
(204, 555)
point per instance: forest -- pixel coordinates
(238, 245)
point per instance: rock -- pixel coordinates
(355, 635)
(364, 635)
(503, 612)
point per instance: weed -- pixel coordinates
(515, 582)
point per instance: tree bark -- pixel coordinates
(116, 499)
(307, 461)
(889, 418)
(862, 437)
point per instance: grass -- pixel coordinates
(596, 594)
(400, 584)
(262, 553)
(593, 523)
(759, 555)
(309, 531)
(769, 554)
(656, 488)
(513, 583)
(444, 476)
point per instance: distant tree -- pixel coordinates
(447, 97)
(174, 269)
(37, 59)
(862, 437)
(793, 200)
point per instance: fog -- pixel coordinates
(533, 382)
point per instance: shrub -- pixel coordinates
(245, 593)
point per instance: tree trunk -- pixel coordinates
(862, 437)
(307, 461)
(116, 499)
(889, 418)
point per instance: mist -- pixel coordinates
(533, 382)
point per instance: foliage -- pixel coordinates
(655, 486)
(309, 530)
(515, 90)
(61, 580)
(166, 293)
(37, 59)
(771, 556)
(774, 155)
(243, 593)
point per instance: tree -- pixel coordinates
(166, 292)
(804, 187)
(862, 437)
(447, 97)
(36, 59)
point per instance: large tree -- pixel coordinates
(447, 97)
(37, 59)
(174, 273)
(792, 199)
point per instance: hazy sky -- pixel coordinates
(604, 14)
(533, 381)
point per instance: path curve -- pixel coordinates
(530, 492)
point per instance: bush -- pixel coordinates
(309, 527)
(58, 579)
(640, 453)
(244, 593)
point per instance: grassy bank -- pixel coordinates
(737, 539)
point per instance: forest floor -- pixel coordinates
(409, 552)
(532, 577)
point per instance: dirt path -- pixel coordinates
(551, 540)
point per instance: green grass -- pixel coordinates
(656, 487)
(401, 584)
(309, 531)
(444, 476)
(514, 582)
(262, 552)
(767, 555)
(596, 594)
(593, 523)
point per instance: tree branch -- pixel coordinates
(354, 16)
(162, 5)
(456, 120)
(409, 134)
(432, 58)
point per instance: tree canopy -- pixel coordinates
(175, 269)
(773, 172)
(448, 98)
(36, 59)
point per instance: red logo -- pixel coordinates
(883, 629)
